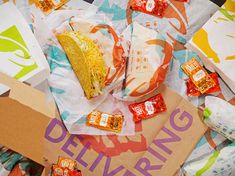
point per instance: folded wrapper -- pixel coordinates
(149, 59)
(219, 163)
(220, 116)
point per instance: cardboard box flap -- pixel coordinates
(22, 128)
(28, 96)
(24, 116)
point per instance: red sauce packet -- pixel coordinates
(193, 91)
(75, 173)
(152, 7)
(148, 108)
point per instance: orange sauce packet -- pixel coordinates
(66, 163)
(105, 121)
(59, 171)
(198, 75)
(47, 6)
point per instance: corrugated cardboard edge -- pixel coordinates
(24, 116)
(29, 96)
(22, 129)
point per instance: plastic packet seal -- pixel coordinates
(220, 116)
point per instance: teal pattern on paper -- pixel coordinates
(82, 120)
(57, 58)
(204, 141)
(118, 12)
(10, 159)
(64, 115)
(57, 90)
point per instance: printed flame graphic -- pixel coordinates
(119, 60)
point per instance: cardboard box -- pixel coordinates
(160, 146)
(215, 43)
(24, 115)
(20, 53)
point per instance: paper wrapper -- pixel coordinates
(109, 43)
(209, 143)
(149, 58)
(179, 19)
(64, 85)
(219, 163)
(179, 22)
(220, 116)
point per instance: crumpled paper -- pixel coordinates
(182, 19)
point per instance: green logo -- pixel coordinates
(15, 58)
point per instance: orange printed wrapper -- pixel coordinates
(47, 6)
(150, 56)
(105, 121)
(198, 75)
(194, 92)
(66, 163)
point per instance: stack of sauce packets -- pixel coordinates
(201, 79)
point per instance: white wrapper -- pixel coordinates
(3, 171)
(220, 163)
(220, 116)
(149, 58)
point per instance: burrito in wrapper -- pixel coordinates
(150, 55)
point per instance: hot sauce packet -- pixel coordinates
(152, 7)
(193, 91)
(65, 167)
(59, 171)
(47, 6)
(148, 108)
(75, 173)
(198, 75)
(105, 121)
(66, 163)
